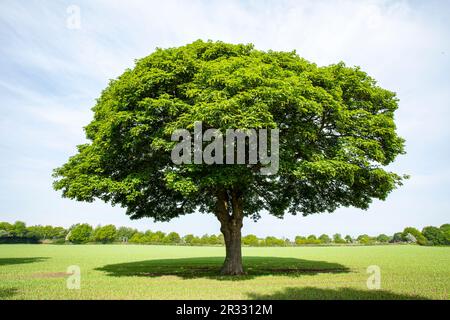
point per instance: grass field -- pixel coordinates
(171, 272)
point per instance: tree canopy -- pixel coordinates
(336, 135)
(337, 131)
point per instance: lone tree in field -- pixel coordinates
(336, 134)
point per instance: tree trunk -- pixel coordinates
(230, 214)
(233, 259)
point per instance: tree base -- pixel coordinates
(226, 271)
(233, 267)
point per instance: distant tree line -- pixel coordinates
(81, 233)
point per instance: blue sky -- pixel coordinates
(51, 75)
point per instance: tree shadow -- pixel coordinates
(8, 261)
(310, 293)
(209, 267)
(7, 293)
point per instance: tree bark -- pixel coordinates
(230, 226)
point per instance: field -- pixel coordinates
(180, 272)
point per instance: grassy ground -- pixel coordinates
(170, 272)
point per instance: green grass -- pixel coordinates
(171, 272)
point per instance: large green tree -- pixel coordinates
(337, 134)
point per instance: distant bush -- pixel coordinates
(250, 240)
(172, 237)
(445, 228)
(382, 238)
(418, 236)
(434, 235)
(124, 234)
(80, 233)
(365, 239)
(18, 232)
(337, 238)
(105, 234)
(397, 237)
(324, 238)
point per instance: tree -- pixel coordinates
(173, 238)
(299, 240)
(188, 239)
(105, 234)
(434, 235)
(137, 237)
(250, 240)
(348, 239)
(364, 239)
(383, 238)
(80, 233)
(125, 233)
(418, 236)
(445, 228)
(19, 229)
(6, 226)
(336, 135)
(337, 238)
(273, 241)
(324, 238)
(397, 237)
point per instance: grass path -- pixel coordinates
(171, 272)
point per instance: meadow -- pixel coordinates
(181, 272)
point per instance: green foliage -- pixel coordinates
(397, 237)
(434, 235)
(337, 134)
(324, 238)
(172, 237)
(273, 241)
(420, 239)
(105, 234)
(383, 238)
(19, 229)
(80, 233)
(125, 233)
(445, 228)
(250, 240)
(137, 237)
(188, 239)
(348, 239)
(365, 239)
(337, 238)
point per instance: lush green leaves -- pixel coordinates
(337, 133)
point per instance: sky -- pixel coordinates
(57, 56)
